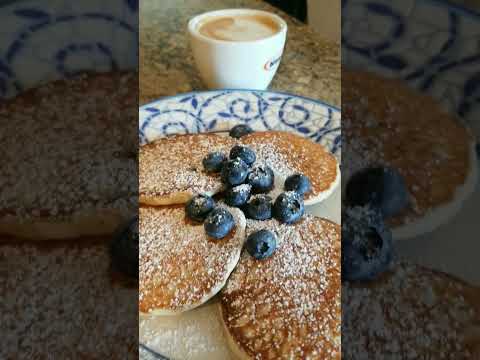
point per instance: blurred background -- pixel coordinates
(322, 15)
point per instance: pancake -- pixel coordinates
(171, 169)
(180, 266)
(168, 174)
(69, 165)
(287, 306)
(287, 154)
(413, 311)
(384, 122)
(62, 299)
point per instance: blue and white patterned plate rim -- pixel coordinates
(218, 110)
(320, 102)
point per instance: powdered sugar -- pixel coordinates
(287, 154)
(243, 188)
(382, 126)
(413, 313)
(70, 147)
(361, 219)
(63, 301)
(180, 267)
(175, 165)
(166, 168)
(295, 293)
(269, 154)
(194, 335)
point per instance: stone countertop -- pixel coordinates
(310, 64)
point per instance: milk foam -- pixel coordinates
(239, 28)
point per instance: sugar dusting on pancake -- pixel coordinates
(287, 305)
(288, 154)
(169, 174)
(386, 123)
(53, 296)
(68, 150)
(413, 311)
(180, 266)
(173, 165)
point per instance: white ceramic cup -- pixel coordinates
(237, 64)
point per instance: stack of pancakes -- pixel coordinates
(285, 306)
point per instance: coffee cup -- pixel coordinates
(237, 48)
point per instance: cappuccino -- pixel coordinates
(237, 48)
(239, 27)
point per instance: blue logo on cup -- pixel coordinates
(271, 63)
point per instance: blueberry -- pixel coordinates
(261, 178)
(288, 207)
(238, 195)
(366, 244)
(234, 172)
(219, 223)
(198, 207)
(244, 153)
(261, 244)
(298, 183)
(213, 162)
(381, 187)
(124, 249)
(240, 130)
(259, 208)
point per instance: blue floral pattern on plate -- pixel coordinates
(428, 43)
(42, 41)
(214, 111)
